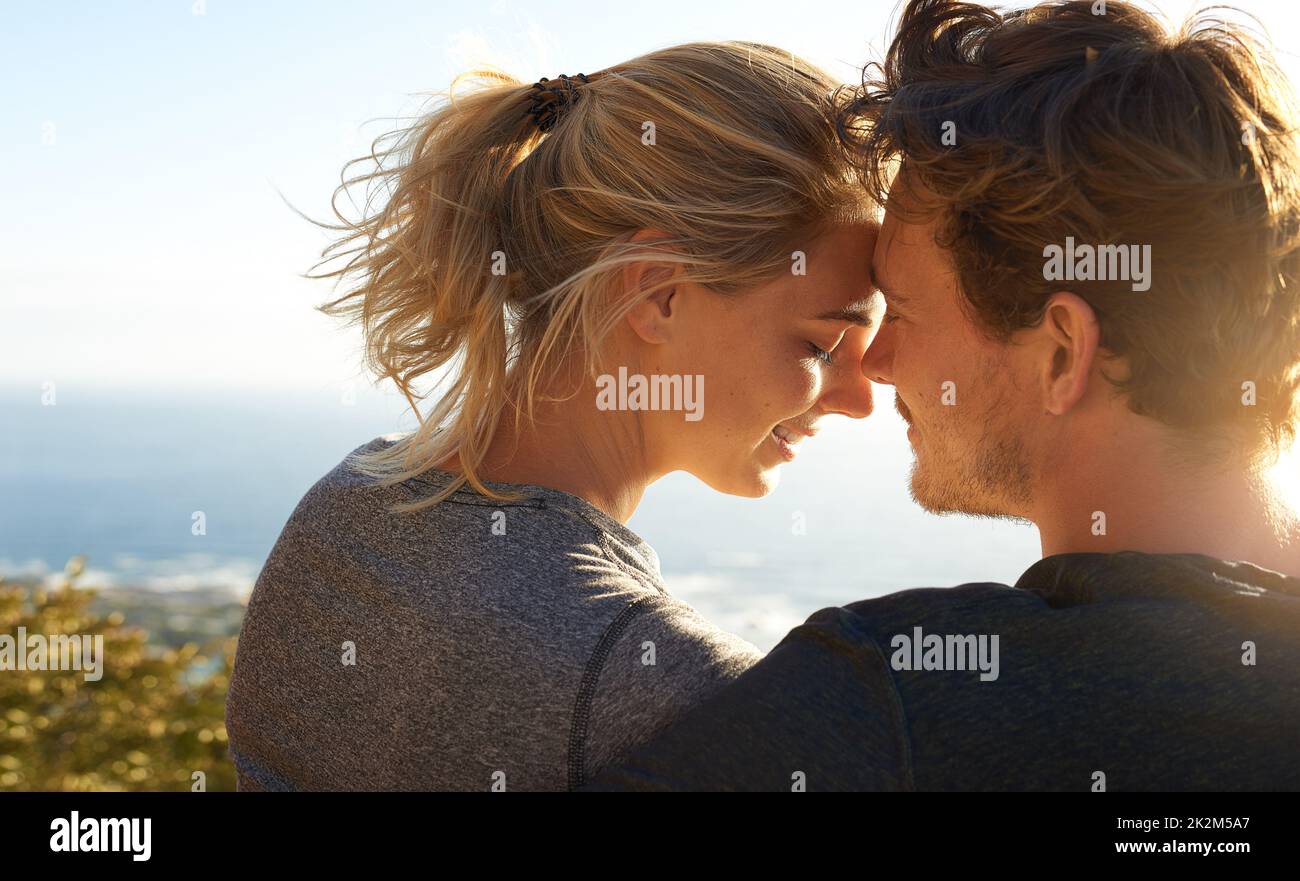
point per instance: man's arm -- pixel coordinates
(819, 712)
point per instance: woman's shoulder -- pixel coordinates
(544, 537)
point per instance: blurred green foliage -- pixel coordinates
(154, 719)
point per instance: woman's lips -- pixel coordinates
(786, 439)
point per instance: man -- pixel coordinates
(1091, 259)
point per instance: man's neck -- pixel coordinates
(1136, 497)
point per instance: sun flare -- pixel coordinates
(1285, 476)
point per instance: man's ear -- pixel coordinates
(1070, 336)
(649, 283)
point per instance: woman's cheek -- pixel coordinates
(797, 390)
(811, 382)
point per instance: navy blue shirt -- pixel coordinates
(1129, 671)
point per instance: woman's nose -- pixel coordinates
(850, 395)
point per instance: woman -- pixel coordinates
(659, 267)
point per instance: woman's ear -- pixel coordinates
(650, 284)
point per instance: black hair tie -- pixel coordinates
(550, 98)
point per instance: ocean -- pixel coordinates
(118, 475)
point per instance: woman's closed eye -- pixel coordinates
(819, 353)
(826, 344)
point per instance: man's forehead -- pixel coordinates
(907, 222)
(906, 225)
(894, 233)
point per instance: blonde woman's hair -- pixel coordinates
(728, 149)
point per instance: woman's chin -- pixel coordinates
(751, 484)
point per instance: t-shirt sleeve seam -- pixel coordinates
(587, 689)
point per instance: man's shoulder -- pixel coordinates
(1087, 586)
(963, 607)
(1129, 664)
(971, 598)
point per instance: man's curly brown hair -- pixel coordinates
(1113, 130)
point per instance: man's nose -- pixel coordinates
(878, 360)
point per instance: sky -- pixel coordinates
(150, 147)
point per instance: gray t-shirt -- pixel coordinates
(471, 645)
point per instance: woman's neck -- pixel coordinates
(573, 447)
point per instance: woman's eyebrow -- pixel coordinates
(857, 312)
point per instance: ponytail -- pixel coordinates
(429, 290)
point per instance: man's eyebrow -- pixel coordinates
(891, 296)
(857, 312)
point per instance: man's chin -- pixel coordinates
(919, 488)
(936, 495)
